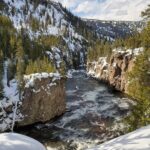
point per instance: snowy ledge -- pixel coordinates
(30, 79)
(134, 52)
(137, 140)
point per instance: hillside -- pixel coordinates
(112, 30)
(36, 36)
(48, 18)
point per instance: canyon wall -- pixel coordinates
(115, 70)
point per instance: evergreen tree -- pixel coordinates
(139, 88)
(39, 66)
(139, 82)
(146, 13)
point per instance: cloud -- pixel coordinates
(107, 9)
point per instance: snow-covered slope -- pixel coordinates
(46, 17)
(111, 30)
(49, 16)
(13, 141)
(137, 140)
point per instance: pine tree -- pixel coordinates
(139, 88)
(139, 82)
(146, 13)
(146, 36)
(39, 66)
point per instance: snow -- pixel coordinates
(101, 64)
(138, 51)
(136, 140)
(114, 64)
(11, 99)
(11, 91)
(135, 52)
(30, 79)
(13, 141)
(103, 61)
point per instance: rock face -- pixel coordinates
(120, 65)
(43, 101)
(43, 98)
(115, 72)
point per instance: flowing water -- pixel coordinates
(93, 116)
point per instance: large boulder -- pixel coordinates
(42, 99)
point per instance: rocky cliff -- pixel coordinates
(43, 98)
(116, 69)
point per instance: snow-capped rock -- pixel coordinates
(43, 98)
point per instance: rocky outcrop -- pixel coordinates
(120, 65)
(43, 101)
(116, 71)
(43, 98)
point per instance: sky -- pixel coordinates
(107, 9)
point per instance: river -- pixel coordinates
(93, 115)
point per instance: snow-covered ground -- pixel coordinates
(13, 141)
(137, 140)
(10, 100)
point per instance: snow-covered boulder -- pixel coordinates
(13, 141)
(43, 98)
(137, 140)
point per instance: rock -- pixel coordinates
(9, 109)
(43, 98)
(43, 101)
(115, 72)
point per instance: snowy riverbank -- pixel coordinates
(137, 140)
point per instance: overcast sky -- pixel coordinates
(106, 9)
